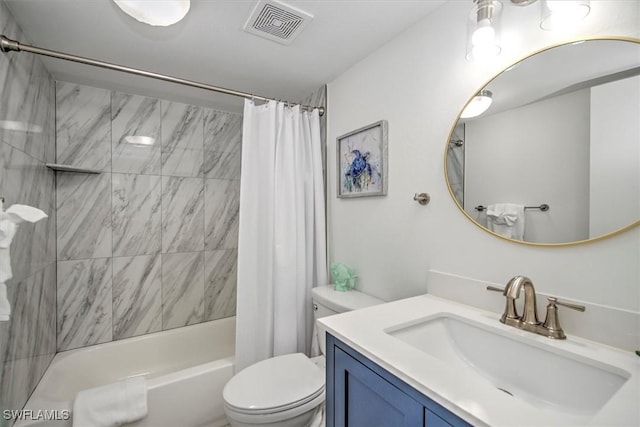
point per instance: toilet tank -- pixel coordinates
(327, 302)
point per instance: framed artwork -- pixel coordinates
(362, 161)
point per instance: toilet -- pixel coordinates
(288, 390)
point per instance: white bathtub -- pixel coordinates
(186, 370)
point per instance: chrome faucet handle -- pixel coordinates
(568, 305)
(495, 289)
(551, 323)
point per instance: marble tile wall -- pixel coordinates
(151, 243)
(27, 142)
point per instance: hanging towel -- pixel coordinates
(5, 307)
(506, 219)
(10, 219)
(112, 404)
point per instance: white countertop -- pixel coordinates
(473, 398)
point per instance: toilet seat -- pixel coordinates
(276, 385)
(295, 416)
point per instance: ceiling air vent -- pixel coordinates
(276, 21)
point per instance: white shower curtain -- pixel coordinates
(281, 248)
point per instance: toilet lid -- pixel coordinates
(275, 384)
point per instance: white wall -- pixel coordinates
(535, 154)
(615, 155)
(419, 83)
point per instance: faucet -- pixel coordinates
(529, 320)
(512, 293)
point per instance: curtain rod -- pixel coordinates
(8, 45)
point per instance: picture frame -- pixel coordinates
(362, 161)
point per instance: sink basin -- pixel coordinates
(525, 367)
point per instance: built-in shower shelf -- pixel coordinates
(67, 168)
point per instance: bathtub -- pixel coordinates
(186, 370)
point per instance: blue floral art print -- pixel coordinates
(361, 160)
(359, 173)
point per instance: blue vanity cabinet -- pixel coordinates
(362, 394)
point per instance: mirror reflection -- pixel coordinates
(556, 156)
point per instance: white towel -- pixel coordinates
(506, 219)
(112, 404)
(9, 221)
(5, 307)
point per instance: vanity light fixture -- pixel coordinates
(478, 105)
(160, 13)
(483, 25)
(558, 14)
(483, 30)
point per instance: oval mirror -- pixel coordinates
(555, 159)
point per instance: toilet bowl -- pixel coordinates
(288, 390)
(283, 391)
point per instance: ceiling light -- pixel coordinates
(155, 12)
(483, 30)
(478, 105)
(558, 14)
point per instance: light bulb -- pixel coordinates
(478, 105)
(562, 13)
(483, 41)
(483, 30)
(484, 34)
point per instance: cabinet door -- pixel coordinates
(365, 399)
(432, 420)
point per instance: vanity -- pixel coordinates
(362, 393)
(428, 361)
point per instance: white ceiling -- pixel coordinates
(210, 46)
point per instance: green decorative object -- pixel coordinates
(344, 276)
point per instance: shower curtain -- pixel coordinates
(281, 248)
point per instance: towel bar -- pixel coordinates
(543, 207)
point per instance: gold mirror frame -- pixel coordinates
(451, 132)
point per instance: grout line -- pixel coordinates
(113, 323)
(160, 138)
(55, 197)
(204, 225)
